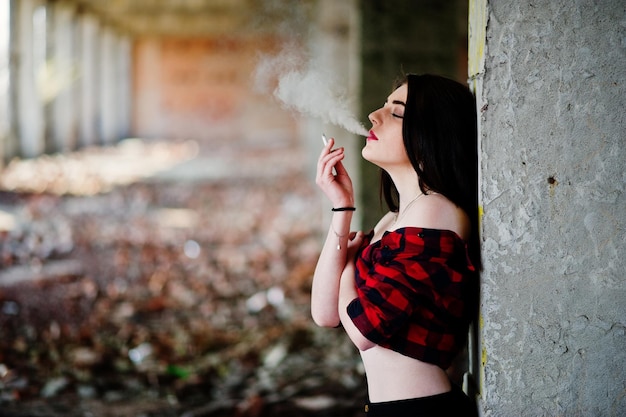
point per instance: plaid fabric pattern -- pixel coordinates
(413, 287)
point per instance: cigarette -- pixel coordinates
(324, 139)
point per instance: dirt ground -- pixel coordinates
(157, 279)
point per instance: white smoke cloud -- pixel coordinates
(301, 87)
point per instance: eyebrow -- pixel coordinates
(398, 102)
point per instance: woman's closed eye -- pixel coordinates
(397, 111)
(396, 108)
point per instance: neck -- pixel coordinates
(408, 187)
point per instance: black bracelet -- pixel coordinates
(344, 209)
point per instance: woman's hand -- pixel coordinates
(336, 185)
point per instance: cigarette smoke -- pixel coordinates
(301, 87)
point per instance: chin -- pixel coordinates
(364, 153)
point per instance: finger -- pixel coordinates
(340, 168)
(331, 157)
(333, 161)
(325, 170)
(325, 155)
(328, 146)
(356, 235)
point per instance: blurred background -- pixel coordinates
(159, 224)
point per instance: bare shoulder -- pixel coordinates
(435, 211)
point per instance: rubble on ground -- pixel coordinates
(168, 298)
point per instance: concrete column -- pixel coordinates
(25, 98)
(550, 83)
(88, 85)
(123, 82)
(148, 91)
(63, 114)
(108, 90)
(5, 117)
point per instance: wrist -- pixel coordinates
(343, 203)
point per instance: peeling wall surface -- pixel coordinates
(552, 96)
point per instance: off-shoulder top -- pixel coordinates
(417, 290)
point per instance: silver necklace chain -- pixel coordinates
(400, 215)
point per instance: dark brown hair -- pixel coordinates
(439, 130)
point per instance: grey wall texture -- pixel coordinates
(552, 94)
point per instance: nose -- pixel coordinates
(373, 117)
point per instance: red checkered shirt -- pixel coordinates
(415, 287)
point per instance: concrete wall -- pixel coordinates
(550, 78)
(4, 77)
(200, 88)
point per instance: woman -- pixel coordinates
(406, 292)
